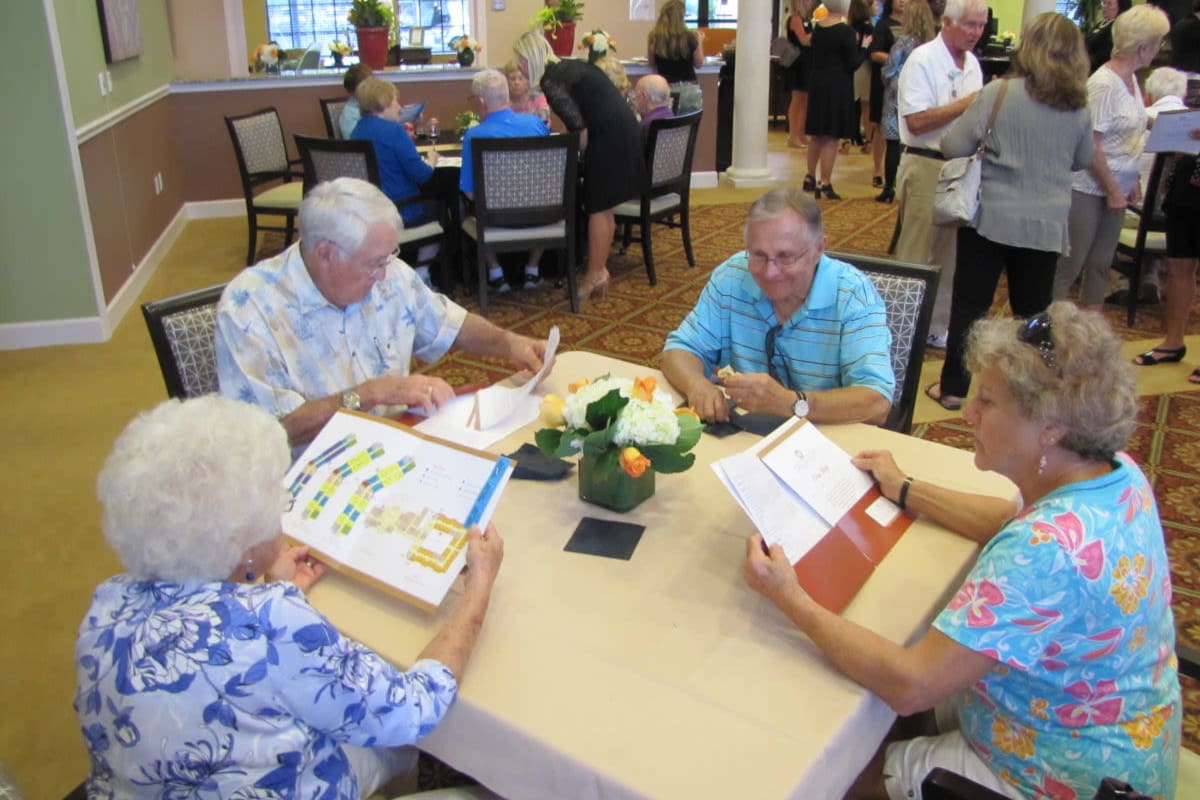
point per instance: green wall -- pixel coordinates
(44, 271)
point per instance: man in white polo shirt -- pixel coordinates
(938, 82)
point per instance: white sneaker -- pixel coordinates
(937, 340)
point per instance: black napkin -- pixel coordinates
(605, 537)
(533, 465)
(759, 424)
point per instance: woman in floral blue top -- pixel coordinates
(1054, 664)
(195, 678)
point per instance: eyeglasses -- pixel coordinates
(1036, 332)
(769, 346)
(783, 260)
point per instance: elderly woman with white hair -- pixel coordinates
(1101, 193)
(203, 670)
(1054, 664)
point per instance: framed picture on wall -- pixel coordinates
(120, 29)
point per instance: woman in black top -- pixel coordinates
(886, 30)
(799, 33)
(613, 169)
(674, 52)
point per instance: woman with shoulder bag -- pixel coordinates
(1041, 133)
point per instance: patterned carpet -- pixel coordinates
(633, 320)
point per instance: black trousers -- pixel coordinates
(891, 162)
(977, 270)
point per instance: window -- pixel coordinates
(711, 13)
(296, 24)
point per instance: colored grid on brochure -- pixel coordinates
(368, 489)
(324, 457)
(338, 476)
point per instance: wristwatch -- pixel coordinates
(800, 408)
(351, 400)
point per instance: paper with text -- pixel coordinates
(817, 469)
(1172, 133)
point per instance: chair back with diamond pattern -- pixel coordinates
(183, 329)
(908, 292)
(331, 112)
(262, 160)
(326, 159)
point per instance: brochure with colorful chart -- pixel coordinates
(390, 505)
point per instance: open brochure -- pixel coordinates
(801, 492)
(391, 505)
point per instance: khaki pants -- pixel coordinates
(922, 242)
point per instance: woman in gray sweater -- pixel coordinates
(1042, 133)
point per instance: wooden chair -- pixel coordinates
(331, 112)
(326, 159)
(266, 173)
(183, 331)
(524, 199)
(670, 144)
(908, 292)
(1149, 239)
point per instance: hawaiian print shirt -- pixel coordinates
(213, 689)
(1073, 599)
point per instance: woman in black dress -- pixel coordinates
(832, 111)
(799, 33)
(613, 169)
(886, 31)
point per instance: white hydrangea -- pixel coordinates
(640, 422)
(599, 42)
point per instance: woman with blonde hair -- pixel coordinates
(613, 170)
(674, 52)
(799, 33)
(1041, 134)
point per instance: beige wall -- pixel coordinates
(503, 27)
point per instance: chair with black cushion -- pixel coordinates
(524, 199)
(326, 159)
(183, 329)
(664, 199)
(331, 112)
(1149, 239)
(266, 173)
(908, 292)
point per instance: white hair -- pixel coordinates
(1138, 27)
(491, 86)
(1166, 82)
(956, 8)
(191, 485)
(341, 211)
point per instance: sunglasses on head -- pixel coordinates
(1036, 331)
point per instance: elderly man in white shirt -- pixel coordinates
(937, 84)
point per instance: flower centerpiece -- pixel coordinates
(266, 57)
(465, 48)
(339, 50)
(464, 120)
(373, 21)
(557, 20)
(626, 430)
(597, 43)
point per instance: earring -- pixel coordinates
(1041, 465)
(250, 576)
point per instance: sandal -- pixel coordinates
(877, 181)
(1195, 376)
(810, 183)
(1170, 356)
(946, 401)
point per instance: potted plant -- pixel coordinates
(598, 43)
(465, 49)
(557, 21)
(372, 20)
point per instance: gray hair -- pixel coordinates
(191, 485)
(837, 6)
(956, 8)
(341, 211)
(491, 86)
(778, 202)
(1139, 26)
(1166, 82)
(533, 47)
(1090, 392)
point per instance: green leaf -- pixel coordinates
(603, 412)
(690, 428)
(606, 462)
(667, 458)
(548, 440)
(597, 442)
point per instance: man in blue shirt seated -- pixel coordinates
(497, 120)
(783, 329)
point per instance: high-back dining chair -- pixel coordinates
(266, 173)
(524, 199)
(908, 292)
(326, 159)
(331, 112)
(670, 144)
(183, 330)
(1149, 239)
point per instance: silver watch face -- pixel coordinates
(351, 400)
(800, 409)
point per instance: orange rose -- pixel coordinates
(577, 385)
(633, 462)
(643, 388)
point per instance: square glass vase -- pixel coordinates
(615, 490)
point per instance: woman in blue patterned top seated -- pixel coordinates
(195, 678)
(1054, 664)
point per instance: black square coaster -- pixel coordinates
(605, 537)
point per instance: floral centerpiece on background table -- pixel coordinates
(339, 50)
(266, 58)
(465, 49)
(626, 430)
(597, 43)
(464, 120)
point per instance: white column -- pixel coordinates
(750, 91)
(1033, 8)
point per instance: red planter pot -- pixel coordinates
(562, 40)
(373, 46)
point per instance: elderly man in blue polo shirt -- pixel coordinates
(497, 120)
(781, 328)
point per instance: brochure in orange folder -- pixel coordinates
(802, 493)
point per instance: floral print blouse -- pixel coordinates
(214, 689)
(1073, 601)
